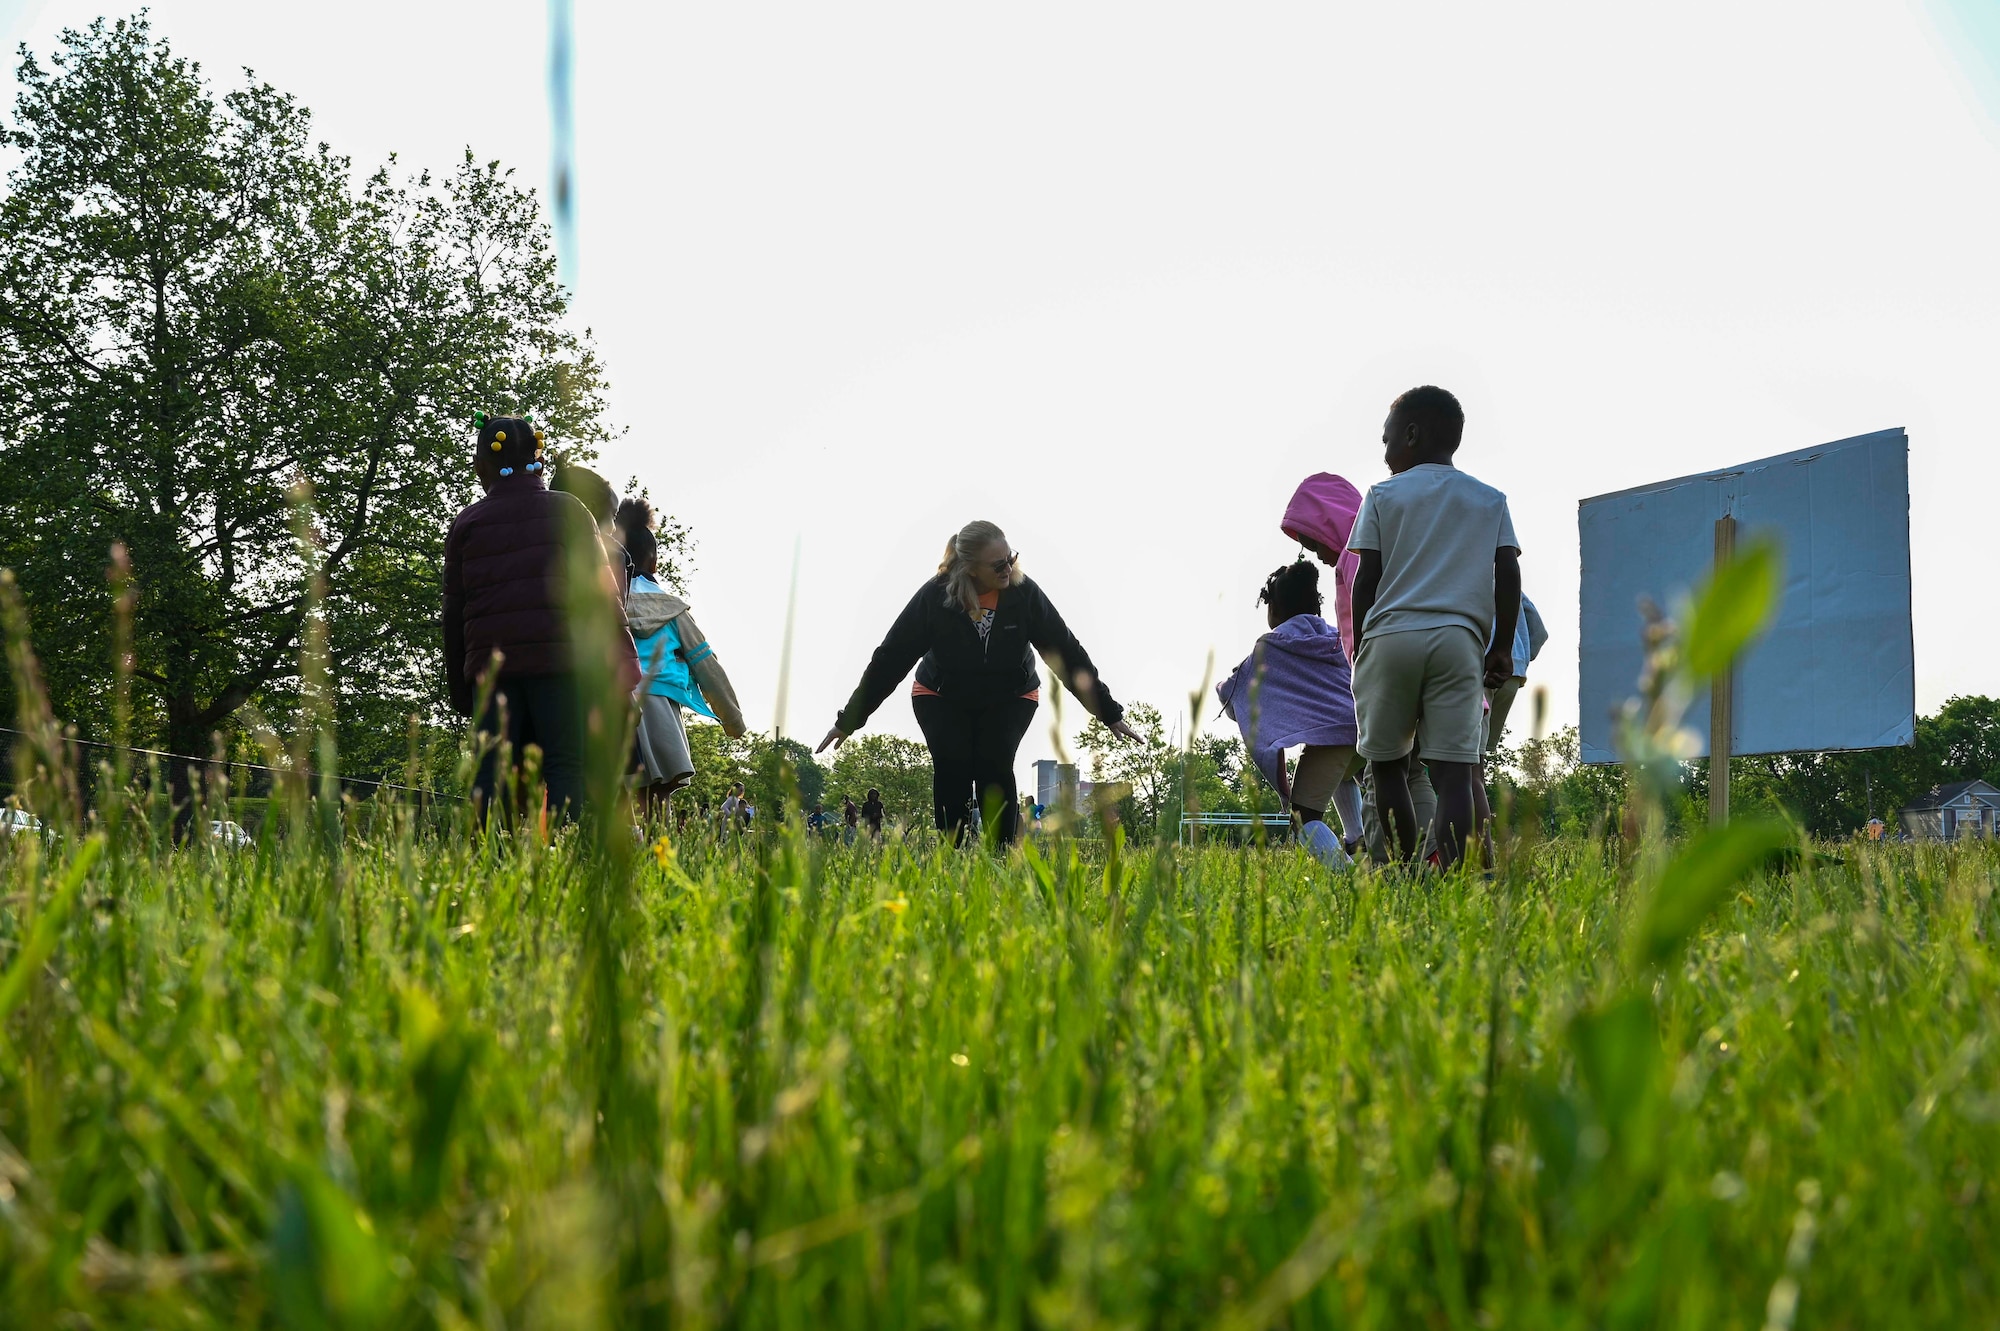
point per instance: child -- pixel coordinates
(1293, 689)
(1439, 578)
(678, 669)
(1321, 518)
(503, 596)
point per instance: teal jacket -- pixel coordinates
(666, 668)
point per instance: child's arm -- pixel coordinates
(1506, 614)
(1367, 582)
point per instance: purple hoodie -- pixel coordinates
(1305, 697)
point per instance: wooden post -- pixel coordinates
(1721, 701)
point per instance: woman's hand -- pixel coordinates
(834, 737)
(1123, 731)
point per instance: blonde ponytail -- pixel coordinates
(960, 550)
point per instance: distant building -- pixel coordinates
(1051, 777)
(1961, 809)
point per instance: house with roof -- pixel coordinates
(1961, 809)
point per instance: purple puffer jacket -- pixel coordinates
(1306, 695)
(503, 586)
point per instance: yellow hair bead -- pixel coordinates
(496, 445)
(499, 436)
(538, 436)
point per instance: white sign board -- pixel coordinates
(1837, 668)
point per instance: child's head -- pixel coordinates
(1424, 425)
(507, 446)
(643, 548)
(635, 515)
(593, 490)
(1321, 515)
(1292, 590)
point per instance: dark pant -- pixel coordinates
(547, 711)
(972, 758)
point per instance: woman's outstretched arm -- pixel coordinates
(908, 639)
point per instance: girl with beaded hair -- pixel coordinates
(505, 609)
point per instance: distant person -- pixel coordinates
(850, 814)
(1293, 689)
(1440, 578)
(872, 812)
(816, 821)
(732, 807)
(677, 669)
(972, 631)
(505, 594)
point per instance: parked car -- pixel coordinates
(229, 834)
(13, 822)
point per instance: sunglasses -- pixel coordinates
(1002, 565)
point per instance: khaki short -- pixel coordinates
(1421, 687)
(1321, 767)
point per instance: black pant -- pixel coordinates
(544, 710)
(972, 758)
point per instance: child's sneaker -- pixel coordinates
(1326, 847)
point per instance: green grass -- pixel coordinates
(433, 1083)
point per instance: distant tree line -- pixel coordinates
(1831, 795)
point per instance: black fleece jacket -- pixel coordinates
(960, 665)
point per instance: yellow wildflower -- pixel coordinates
(896, 905)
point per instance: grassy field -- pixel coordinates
(423, 1081)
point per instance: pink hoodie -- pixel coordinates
(1323, 510)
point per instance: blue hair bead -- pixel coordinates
(506, 471)
(533, 466)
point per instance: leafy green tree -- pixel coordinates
(1217, 767)
(1150, 768)
(1549, 775)
(769, 769)
(899, 768)
(1833, 794)
(719, 761)
(784, 776)
(204, 320)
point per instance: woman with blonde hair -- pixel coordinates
(973, 631)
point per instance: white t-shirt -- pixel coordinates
(1437, 530)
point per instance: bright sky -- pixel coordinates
(1118, 276)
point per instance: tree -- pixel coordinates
(1831, 795)
(1150, 767)
(784, 776)
(760, 762)
(899, 768)
(203, 323)
(719, 761)
(1217, 769)
(1549, 775)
